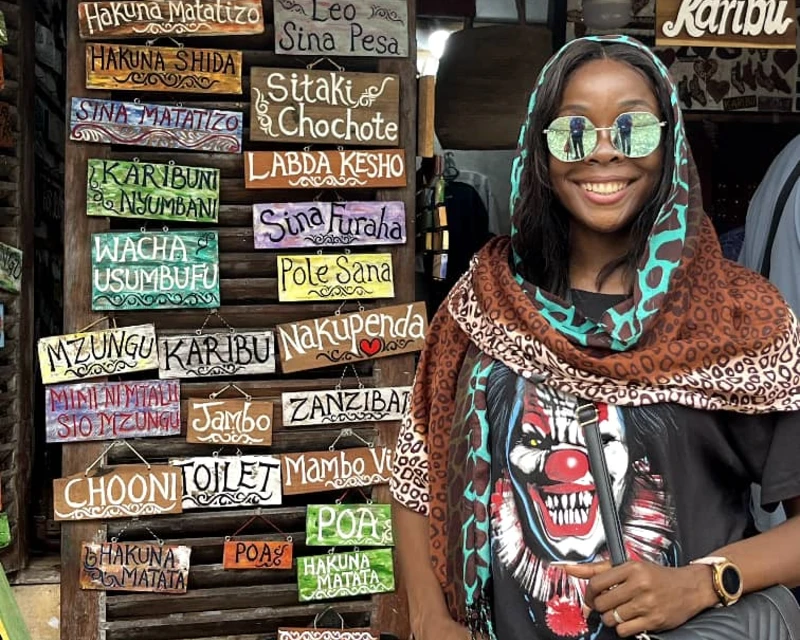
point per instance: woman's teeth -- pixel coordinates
(604, 187)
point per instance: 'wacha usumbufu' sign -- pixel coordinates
(191, 355)
(229, 422)
(145, 191)
(308, 278)
(329, 107)
(134, 566)
(349, 525)
(155, 125)
(112, 410)
(342, 575)
(315, 471)
(340, 406)
(257, 554)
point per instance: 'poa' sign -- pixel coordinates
(216, 354)
(330, 107)
(349, 525)
(155, 125)
(233, 422)
(257, 554)
(342, 575)
(145, 191)
(230, 481)
(134, 566)
(335, 277)
(339, 406)
(112, 410)
(10, 268)
(311, 472)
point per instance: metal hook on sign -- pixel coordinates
(326, 610)
(325, 59)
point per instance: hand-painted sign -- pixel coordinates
(7, 138)
(314, 471)
(349, 525)
(342, 575)
(352, 337)
(10, 268)
(79, 356)
(5, 531)
(155, 125)
(2, 326)
(112, 410)
(290, 633)
(230, 481)
(2, 71)
(257, 554)
(328, 169)
(376, 29)
(339, 406)
(134, 566)
(216, 354)
(177, 18)
(234, 422)
(294, 225)
(181, 70)
(124, 491)
(155, 270)
(335, 277)
(145, 191)
(330, 107)
(3, 30)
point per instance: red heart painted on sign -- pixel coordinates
(371, 347)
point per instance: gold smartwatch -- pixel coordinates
(726, 578)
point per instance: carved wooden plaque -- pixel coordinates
(344, 406)
(10, 268)
(355, 276)
(189, 355)
(257, 554)
(134, 566)
(234, 422)
(349, 525)
(342, 575)
(315, 471)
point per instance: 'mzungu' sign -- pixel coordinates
(216, 354)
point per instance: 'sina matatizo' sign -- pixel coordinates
(233, 422)
(342, 575)
(331, 107)
(330, 169)
(155, 125)
(257, 554)
(145, 191)
(134, 566)
(335, 277)
(314, 471)
(155, 270)
(339, 406)
(177, 18)
(112, 410)
(295, 225)
(330, 28)
(133, 68)
(10, 268)
(349, 525)
(216, 354)
(352, 337)
(78, 356)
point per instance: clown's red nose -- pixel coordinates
(566, 465)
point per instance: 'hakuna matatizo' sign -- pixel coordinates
(339, 406)
(342, 575)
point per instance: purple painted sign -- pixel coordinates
(112, 410)
(297, 225)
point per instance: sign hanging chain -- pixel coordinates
(267, 521)
(215, 313)
(347, 432)
(117, 537)
(216, 394)
(344, 373)
(109, 448)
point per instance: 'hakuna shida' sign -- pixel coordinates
(230, 481)
(155, 125)
(146, 191)
(233, 422)
(325, 634)
(349, 525)
(331, 28)
(112, 410)
(342, 575)
(78, 356)
(339, 406)
(124, 491)
(216, 354)
(134, 566)
(133, 68)
(331, 107)
(314, 471)
(294, 225)
(257, 554)
(155, 270)
(335, 277)
(10, 268)
(352, 337)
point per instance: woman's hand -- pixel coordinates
(441, 627)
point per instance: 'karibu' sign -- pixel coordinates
(349, 525)
(335, 277)
(313, 471)
(155, 125)
(134, 566)
(339, 406)
(146, 191)
(112, 410)
(342, 575)
(216, 354)
(233, 422)
(10, 268)
(257, 554)
(352, 337)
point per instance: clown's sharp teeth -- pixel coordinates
(560, 517)
(568, 517)
(564, 501)
(572, 498)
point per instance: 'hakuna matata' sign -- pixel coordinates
(342, 575)
(335, 277)
(314, 471)
(134, 566)
(216, 354)
(232, 421)
(349, 525)
(339, 406)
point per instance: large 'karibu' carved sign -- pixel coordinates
(340, 406)
(233, 422)
(216, 354)
(314, 471)
(134, 566)
(342, 575)
(335, 277)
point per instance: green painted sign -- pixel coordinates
(3, 30)
(342, 575)
(349, 525)
(5, 531)
(146, 191)
(155, 270)
(12, 624)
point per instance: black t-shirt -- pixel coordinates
(681, 478)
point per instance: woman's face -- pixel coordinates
(606, 191)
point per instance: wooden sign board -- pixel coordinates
(349, 525)
(2, 326)
(155, 270)
(145, 191)
(134, 566)
(154, 125)
(342, 575)
(344, 406)
(10, 268)
(352, 337)
(754, 24)
(124, 491)
(190, 355)
(2, 71)
(112, 410)
(325, 169)
(179, 70)
(311, 472)
(257, 554)
(176, 18)
(3, 30)
(5, 531)
(328, 28)
(230, 481)
(234, 422)
(326, 634)
(80, 356)
(305, 278)
(8, 139)
(325, 107)
(295, 225)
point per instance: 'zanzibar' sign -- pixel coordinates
(135, 566)
(311, 472)
(216, 354)
(349, 525)
(147, 191)
(233, 422)
(335, 277)
(342, 575)
(339, 406)
(330, 107)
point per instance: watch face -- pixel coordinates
(731, 580)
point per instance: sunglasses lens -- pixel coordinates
(571, 138)
(639, 134)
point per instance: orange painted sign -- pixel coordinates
(257, 554)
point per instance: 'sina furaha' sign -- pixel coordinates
(134, 566)
(335, 277)
(342, 575)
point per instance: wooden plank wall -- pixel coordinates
(246, 605)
